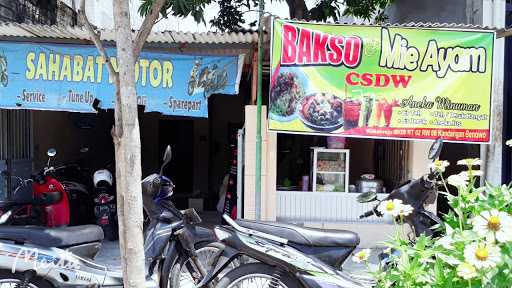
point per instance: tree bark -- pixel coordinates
(147, 26)
(126, 136)
(297, 8)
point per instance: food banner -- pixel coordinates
(65, 77)
(381, 82)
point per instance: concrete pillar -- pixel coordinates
(493, 15)
(268, 166)
(418, 158)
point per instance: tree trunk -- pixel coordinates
(297, 8)
(126, 136)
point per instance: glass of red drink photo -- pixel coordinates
(388, 111)
(351, 112)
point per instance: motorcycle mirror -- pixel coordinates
(167, 158)
(84, 149)
(435, 149)
(367, 197)
(51, 152)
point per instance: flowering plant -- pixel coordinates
(474, 248)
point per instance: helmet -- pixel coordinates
(166, 189)
(100, 176)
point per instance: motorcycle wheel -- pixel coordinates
(256, 275)
(176, 275)
(9, 280)
(110, 232)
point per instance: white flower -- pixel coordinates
(439, 165)
(390, 207)
(471, 173)
(361, 256)
(458, 180)
(509, 143)
(466, 271)
(506, 193)
(482, 255)
(446, 242)
(406, 210)
(470, 162)
(494, 225)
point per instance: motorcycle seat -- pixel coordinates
(7, 204)
(305, 236)
(61, 237)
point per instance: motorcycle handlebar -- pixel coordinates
(367, 214)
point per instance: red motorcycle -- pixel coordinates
(41, 200)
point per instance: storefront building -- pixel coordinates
(292, 162)
(178, 106)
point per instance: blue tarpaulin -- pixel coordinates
(65, 77)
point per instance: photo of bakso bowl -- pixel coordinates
(321, 112)
(285, 93)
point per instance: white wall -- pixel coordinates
(418, 160)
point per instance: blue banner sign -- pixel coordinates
(65, 77)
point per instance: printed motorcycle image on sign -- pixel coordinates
(4, 75)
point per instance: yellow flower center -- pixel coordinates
(437, 163)
(390, 206)
(494, 223)
(482, 253)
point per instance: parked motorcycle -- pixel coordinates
(36, 192)
(292, 256)
(416, 193)
(77, 181)
(105, 203)
(63, 257)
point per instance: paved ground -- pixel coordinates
(109, 254)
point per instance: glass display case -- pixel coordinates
(330, 168)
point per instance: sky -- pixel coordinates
(99, 13)
(278, 8)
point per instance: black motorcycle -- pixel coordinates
(289, 256)
(77, 181)
(176, 246)
(105, 203)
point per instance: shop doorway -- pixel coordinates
(180, 135)
(15, 148)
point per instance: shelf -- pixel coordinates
(330, 172)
